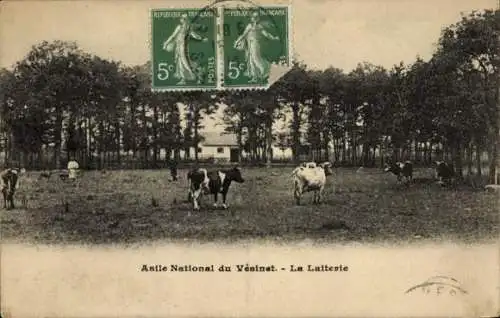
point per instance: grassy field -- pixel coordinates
(360, 206)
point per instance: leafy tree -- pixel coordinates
(197, 105)
(293, 90)
(58, 72)
(470, 50)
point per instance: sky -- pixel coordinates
(339, 33)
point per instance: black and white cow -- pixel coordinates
(444, 172)
(401, 170)
(202, 181)
(198, 185)
(9, 184)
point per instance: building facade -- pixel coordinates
(219, 146)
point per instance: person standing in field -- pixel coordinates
(172, 165)
(73, 168)
(249, 41)
(177, 43)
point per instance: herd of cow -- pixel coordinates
(308, 177)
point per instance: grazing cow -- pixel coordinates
(401, 170)
(214, 182)
(444, 172)
(9, 184)
(310, 178)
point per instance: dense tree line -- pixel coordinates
(96, 109)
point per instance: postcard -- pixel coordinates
(250, 158)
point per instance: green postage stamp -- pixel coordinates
(254, 40)
(219, 48)
(184, 54)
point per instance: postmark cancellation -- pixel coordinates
(255, 40)
(220, 48)
(184, 55)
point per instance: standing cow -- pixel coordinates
(444, 172)
(214, 182)
(198, 185)
(310, 177)
(8, 184)
(402, 170)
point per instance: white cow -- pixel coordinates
(310, 178)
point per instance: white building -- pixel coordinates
(222, 147)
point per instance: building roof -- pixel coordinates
(219, 139)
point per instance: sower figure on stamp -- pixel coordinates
(177, 43)
(257, 66)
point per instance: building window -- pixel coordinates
(220, 150)
(199, 149)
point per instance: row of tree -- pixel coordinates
(74, 103)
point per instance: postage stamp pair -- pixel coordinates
(218, 48)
